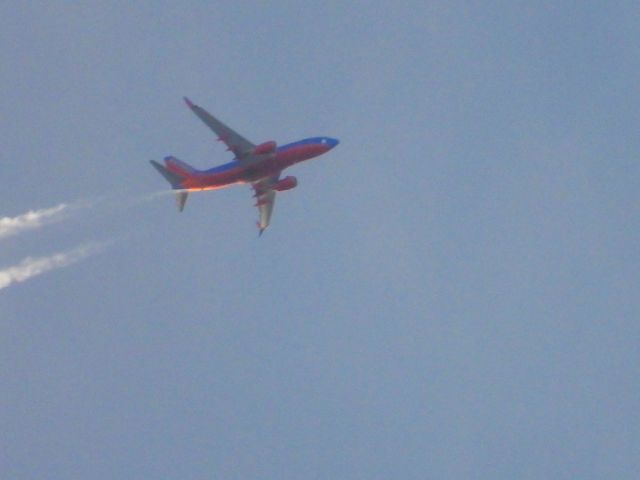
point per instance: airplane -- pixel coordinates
(259, 165)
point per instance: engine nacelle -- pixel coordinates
(265, 148)
(287, 183)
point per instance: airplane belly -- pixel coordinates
(258, 171)
(217, 180)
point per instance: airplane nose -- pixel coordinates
(333, 142)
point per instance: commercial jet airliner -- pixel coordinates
(259, 165)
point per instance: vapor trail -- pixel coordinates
(34, 219)
(32, 267)
(132, 201)
(31, 220)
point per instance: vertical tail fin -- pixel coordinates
(179, 167)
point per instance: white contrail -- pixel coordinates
(31, 267)
(31, 220)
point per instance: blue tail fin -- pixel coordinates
(179, 166)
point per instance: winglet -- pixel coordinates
(188, 102)
(260, 229)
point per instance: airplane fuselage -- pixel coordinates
(262, 166)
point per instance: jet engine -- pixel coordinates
(265, 148)
(287, 183)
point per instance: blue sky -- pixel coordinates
(452, 292)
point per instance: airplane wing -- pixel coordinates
(235, 142)
(265, 199)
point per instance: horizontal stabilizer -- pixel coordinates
(176, 181)
(181, 199)
(173, 178)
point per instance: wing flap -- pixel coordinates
(265, 209)
(265, 197)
